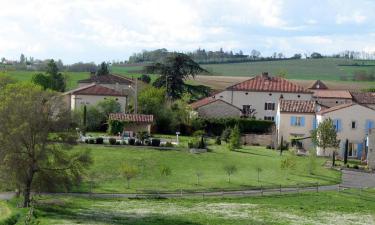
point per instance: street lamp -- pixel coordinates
(135, 90)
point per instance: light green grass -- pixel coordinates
(302, 69)
(308, 208)
(4, 211)
(184, 166)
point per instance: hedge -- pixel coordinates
(216, 126)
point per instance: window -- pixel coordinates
(270, 118)
(337, 124)
(246, 109)
(297, 121)
(354, 125)
(352, 151)
(269, 106)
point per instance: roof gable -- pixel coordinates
(265, 83)
(95, 89)
(341, 107)
(332, 94)
(210, 100)
(364, 97)
(318, 85)
(297, 106)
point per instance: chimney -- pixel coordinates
(265, 75)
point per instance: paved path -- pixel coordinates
(350, 179)
(7, 195)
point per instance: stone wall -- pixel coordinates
(371, 150)
(258, 139)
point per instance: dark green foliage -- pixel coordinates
(145, 78)
(225, 134)
(155, 142)
(234, 139)
(91, 141)
(103, 69)
(217, 126)
(52, 79)
(218, 140)
(174, 70)
(138, 142)
(12, 220)
(112, 141)
(168, 144)
(99, 140)
(131, 141)
(115, 127)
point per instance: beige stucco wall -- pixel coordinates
(332, 101)
(218, 109)
(77, 101)
(356, 113)
(258, 99)
(286, 130)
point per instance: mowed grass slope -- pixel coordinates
(184, 167)
(348, 207)
(300, 69)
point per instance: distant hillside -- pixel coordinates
(300, 69)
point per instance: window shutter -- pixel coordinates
(273, 106)
(302, 121)
(369, 125)
(292, 120)
(265, 106)
(359, 150)
(339, 127)
(314, 123)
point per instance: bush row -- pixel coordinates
(131, 141)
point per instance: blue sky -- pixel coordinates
(97, 30)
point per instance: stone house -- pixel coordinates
(295, 120)
(116, 82)
(262, 93)
(364, 98)
(329, 98)
(133, 123)
(92, 94)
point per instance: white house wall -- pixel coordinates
(81, 100)
(258, 99)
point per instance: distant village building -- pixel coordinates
(371, 150)
(318, 85)
(215, 108)
(364, 98)
(330, 98)
(262, 93)
(92, 94)
(116, 82)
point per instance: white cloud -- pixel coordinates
(356, 17)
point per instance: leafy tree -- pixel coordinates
(230, 170)
(129, 172)
(226, 134)
(29, 155)
(173, 72)
(145, 78)
(52, 79)
(325, 136)
(5, 80)
(103, 69)
(316, 55)
(22, 59)
(312, 161)
(234, 139)
(289, 163)
(109, 105)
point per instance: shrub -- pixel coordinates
(112, 141)
(86, 141)
(118, 143)
(355, 167)
(99, 140)
(115, 127)
(218, 140)
(225, 134)
(234, 139)
(168, 144)
(138, 142)
(155, 142)
(91, 141)
(147, 142)
(123, 142)
(131, 141)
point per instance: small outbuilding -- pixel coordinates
(133, 123)
(211, 107)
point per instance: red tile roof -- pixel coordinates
(266, 83)
(139, 118)
(364, 97)
(318, 84)
(297, 106)
(202, 102)
(107, 79)
(332, 94)
(95, 89)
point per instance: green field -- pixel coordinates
(302, 69)
(184, 167)
(347, 207)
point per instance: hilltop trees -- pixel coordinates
(103, 69)
(29, 155)
(173, 72)
(52, 79)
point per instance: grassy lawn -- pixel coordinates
(4, 211)
(184, 167)
(307, 208)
